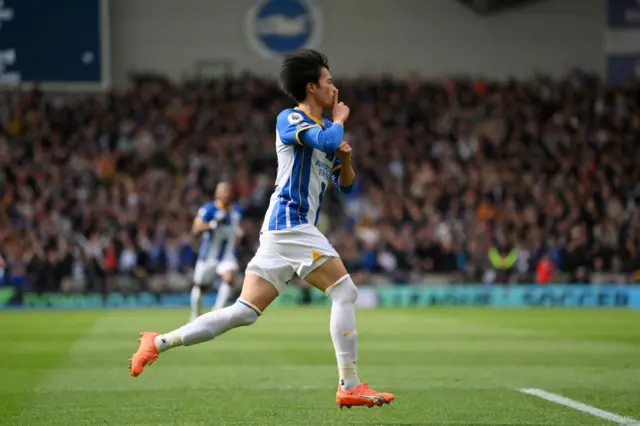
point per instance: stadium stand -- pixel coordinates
(458, 181)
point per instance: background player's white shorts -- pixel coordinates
(281, 253)
(206, 270)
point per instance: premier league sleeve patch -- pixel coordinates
(294, 118)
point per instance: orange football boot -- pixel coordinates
(146, 354)
(362, 395)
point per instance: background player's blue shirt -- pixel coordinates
(219, 243)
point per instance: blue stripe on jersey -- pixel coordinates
(322, 190)
(205, 247)
(283, 200)
(272, 218)
(294, 194)
(294, 187)
(273, 225)
(306, 178)
(278, 219)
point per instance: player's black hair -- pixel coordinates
(300, 68)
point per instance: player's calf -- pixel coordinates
(257, 294)
(203, 328)
(209, 325)
(343, 330)
(344, 293)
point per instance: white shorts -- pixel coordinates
(285, 252)
(207, 270)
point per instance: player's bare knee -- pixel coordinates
(343, 291)
(227, 277)
(258, 292)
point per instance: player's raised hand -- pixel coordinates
(344, 151)
(340, 110)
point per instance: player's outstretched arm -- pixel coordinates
(203, 221)
(199, 226)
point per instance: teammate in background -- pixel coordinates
(219, 224)
(310, 152)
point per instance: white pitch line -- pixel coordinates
(559, 399)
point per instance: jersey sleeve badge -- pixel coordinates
(294, 118)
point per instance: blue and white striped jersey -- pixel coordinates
(219, 243)
(305, 146)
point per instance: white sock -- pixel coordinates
(343, 330)
(209, 325)
(196, 296)
(223, 295)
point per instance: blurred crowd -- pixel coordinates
(516, 181)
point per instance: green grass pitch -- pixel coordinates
(446, 366)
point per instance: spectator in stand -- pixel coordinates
(5, 272)
(544, 270)
(92, 184)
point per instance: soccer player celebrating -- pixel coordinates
(219, 224)
(310, 151)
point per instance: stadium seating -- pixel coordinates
(97, 188)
